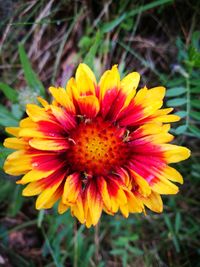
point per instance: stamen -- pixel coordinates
(97, 147)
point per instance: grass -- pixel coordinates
(42, 43)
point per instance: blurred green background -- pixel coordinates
(41, 44)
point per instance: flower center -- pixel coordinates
(97, 148)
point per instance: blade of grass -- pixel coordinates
(89, 58)
(40, 218)
(57, 264)
(30, 75)
(9, 92)
(109, 26)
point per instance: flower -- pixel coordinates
(97, 146)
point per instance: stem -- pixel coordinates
(96, 241)
(75, 245)
(188, 106)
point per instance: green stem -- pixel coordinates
(75, 245)
(188, 106)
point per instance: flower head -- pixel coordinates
(97, 146)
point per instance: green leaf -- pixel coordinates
(181, 113)
(4, 152)
(117, 251)
(17, 201)
(177, 222)
(89, 59)
(176, 102)
(195, 115)
(195, 103)
(195, 130)
(152, 4)
(85, 43)
(168, 223)
(7, 118)
(88, 256)
(136, 251)
(181, 129)
(109, 26)
(194, 56)
(195, 89)
(176, 91)
(30, 75)
(195, 82)
(40, 218)
(9, 92)
(176, 82)
(17, 111)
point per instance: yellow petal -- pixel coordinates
(159, 138)
(32, 189)
(53, 199)
(27, 123)
(164, 111)
(31, 132)
(85, 80)
(109, 80)
(153, 202)
(150, 129)
(88, 220)
(95, 203)
(89, 106)
(156, 93)
(128, 86)
(168, 118)
(45, 144)
(12, 130)
(172, 174)
(42, 101)
(144, 188)
(46, 196)
(85, 68)
(62, 207)
(175, 153)
(151, 99)
(114, 205)
(134, 204)
(77, 210)
(130, 82)
(124, 210)
(103, 189)
(121, 197)
(163, 186)
(72, 188)
(161, 116)
(18, 163)
(140, 96)
(34, 175)
(37, 113)
(15, 143)
(71, 89)
(62, 98)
